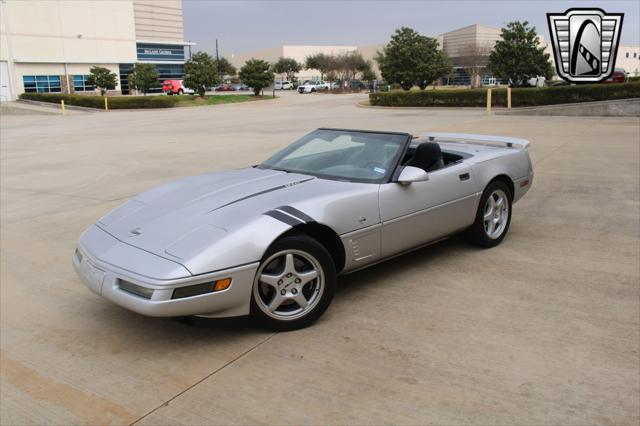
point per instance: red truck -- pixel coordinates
(618, 76)
(175, 87)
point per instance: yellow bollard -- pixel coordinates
(106, 104)
(509, 97)
(488, 101)
(62, 107)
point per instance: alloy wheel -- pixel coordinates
(289, 285)
(496, 214)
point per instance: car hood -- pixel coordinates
(155, 220)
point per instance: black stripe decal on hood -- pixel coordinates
(291, 221)
(266, 191)
(296, 213)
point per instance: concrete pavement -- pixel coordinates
(543, 329)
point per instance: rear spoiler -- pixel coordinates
(500, 141)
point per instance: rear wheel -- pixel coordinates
(493, 216)
(294, 284)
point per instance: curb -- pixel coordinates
(365, 104)
(629, 107)
(52, 105)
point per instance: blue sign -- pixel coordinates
(160, 52)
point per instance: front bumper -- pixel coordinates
(109, 280)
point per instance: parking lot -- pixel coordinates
(543, 329)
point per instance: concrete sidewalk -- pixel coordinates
(543, 329)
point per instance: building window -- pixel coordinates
(80, 84)
(125, 70)
(41, 83)
(635, 54)
(627, 55)
(165, 72)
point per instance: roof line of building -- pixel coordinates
(180, 43)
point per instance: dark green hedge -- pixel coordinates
(520, 97)
(115, 102)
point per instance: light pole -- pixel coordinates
(218, 63)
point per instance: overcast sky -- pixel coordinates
(245, 26)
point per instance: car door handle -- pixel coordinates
(464, 176)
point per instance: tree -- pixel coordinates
(287, 66)
(102, 78)
(412, 59)
(257, 74)
(143, 77)
(331, 76)
(473, 59)
(200, 72)
(225, 67)
(518, 56)
(367, 73)
(350, 64)
(321, 62)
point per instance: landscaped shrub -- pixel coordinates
(574, 94)
(521, 97)
(446, 97)
(115, 102)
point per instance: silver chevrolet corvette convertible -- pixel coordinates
(270, 240)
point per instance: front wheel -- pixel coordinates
(493, 216)
(294, 284)
(180, 92)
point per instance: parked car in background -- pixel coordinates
(313, 86)
(175, 87)
(240, 87)
(358, 85)
(619, 76)
(335, 85)
(538, 81)
(225, 88)
(283, 85)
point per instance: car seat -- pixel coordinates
(427, 157)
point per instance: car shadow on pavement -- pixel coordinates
(424, 256)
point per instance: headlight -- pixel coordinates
(138, 290)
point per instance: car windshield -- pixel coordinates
(348, 155)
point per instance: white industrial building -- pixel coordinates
(477, 40)
(49, 46)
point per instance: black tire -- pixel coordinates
(311, 247)
(313, 90)
(180, 92)
(477, 233)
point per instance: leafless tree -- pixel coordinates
(473, 59)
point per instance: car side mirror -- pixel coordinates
(412, 174)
